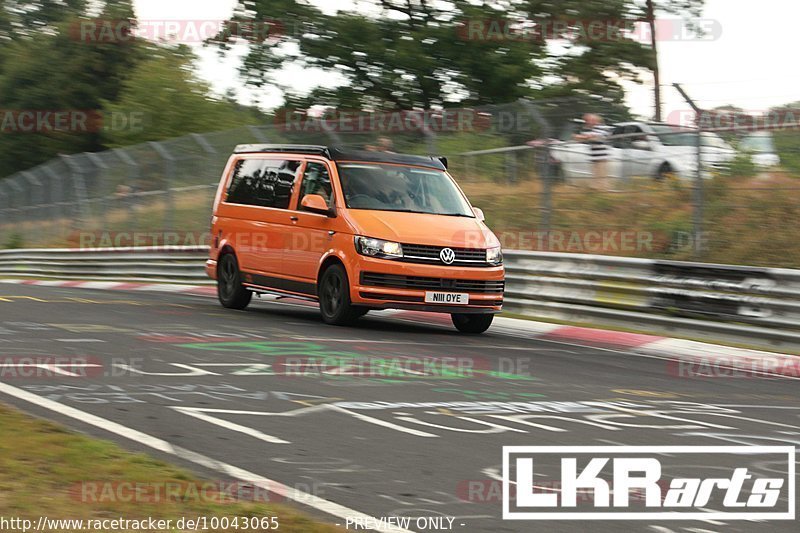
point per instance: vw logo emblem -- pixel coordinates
(447, 255)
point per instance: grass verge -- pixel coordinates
(45, 471)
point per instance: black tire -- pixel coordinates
(359, 311)
(334, 298)
(664, 172)
(472, 324)
(230, 291)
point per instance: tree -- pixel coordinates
(162, 98)
(51, 71)
(685, 8)
(416, 53)
(20, 18)
(403, 55)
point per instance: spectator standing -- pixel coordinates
(594, 134)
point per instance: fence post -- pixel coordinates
(101, 166)
(57, 201)
(545, 174)
(35, 187)
(697, 222)
(547, 188)
(15, 195)
(35, 197)
(212, 153)
(511, 166)
(79, 183)
(6, 213)
(169, 172)
(129, 197)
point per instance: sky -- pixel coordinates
(748, 62)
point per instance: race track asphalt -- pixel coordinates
(276, 392)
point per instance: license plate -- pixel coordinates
(452, 298)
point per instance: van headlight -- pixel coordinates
(494, 256)
(378, 248)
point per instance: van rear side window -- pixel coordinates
(263, 182)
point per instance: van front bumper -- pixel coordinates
(384, 284)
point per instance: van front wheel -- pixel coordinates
(334, 298)
(230, 291)
(472, 323)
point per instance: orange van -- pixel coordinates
(355, 231)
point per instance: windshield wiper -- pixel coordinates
(455, 215)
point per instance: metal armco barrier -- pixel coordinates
(756, 306)
(183, 264)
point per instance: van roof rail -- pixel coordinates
(346, 154)
(293, 148)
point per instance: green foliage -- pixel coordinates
(26, 18)
(58, 73)
(142, 91)
(787, 143)
(398, 54)
(14, 241)
(45, 68)
(742, 165)
(162, 98)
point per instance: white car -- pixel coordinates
(761, 147)
(660, 151)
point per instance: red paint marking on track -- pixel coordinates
(600, 337)
(203, 291)
(126, 286)
(72, 283)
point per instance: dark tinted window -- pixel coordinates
(279, 177)
(625, 142)
(244, 183)
(317, 180)
(618, 143)
(263, 183)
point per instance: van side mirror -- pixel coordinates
(479, 213)
(316, 204)
(640, 145)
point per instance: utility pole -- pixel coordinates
(651, 20)
(698, 239)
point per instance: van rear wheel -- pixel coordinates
(473, 324)
(230, 291)
(334, 298)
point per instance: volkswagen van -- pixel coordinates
(354, 231)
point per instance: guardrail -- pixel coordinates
(757, 306)
(180, 264)
(747, 305)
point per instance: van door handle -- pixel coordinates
(293, 218)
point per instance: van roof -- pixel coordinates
(345, 154)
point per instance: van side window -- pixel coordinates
(285, 175)
(263, 182)
(316, 180)
(246, 176)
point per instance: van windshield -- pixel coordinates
(401, 188)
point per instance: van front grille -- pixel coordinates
(395, 281)
(421, 253)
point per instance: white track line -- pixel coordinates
(304, 498)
